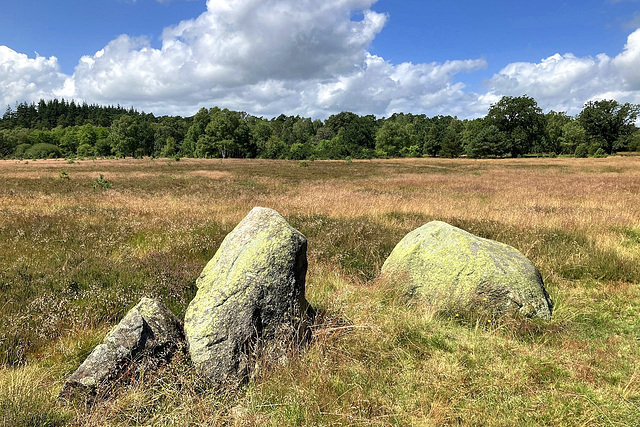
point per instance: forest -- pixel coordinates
(513, 127)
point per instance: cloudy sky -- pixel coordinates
(318, 57)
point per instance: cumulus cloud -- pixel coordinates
(383, 88)
(566, 82)
(267, 57)
(234, 45)
(28, 79)
(304, 57)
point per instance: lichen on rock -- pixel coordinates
(250, 295)
(457, 271)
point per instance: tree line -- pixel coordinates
(513, 127)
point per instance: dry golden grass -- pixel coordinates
(584, 193)
(75, 258)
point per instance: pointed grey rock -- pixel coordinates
(250, 294)
(148, 330)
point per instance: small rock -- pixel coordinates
(149, 330)
(251, 298)
(458, 271)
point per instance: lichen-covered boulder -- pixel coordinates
(250, 294)
(457, 271)
(148, 331)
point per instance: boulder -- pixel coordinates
(460, 272)
(250, 295)
(149, 331)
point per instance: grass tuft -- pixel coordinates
(75, 260)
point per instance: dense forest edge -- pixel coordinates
(513, 127)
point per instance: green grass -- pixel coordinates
(76, 259)
(26, 401)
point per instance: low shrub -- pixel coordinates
(101, 183)
(43, 151)
(582, 151)
(600, 153)
(86, 150)
(64, 175)
(21, 149)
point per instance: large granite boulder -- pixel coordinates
(250, 295)
(148, 332)
(458, 271)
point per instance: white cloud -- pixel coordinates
(267, 57)
(303, 57)
(566, 82)
(232, 48)
(383, 88)
(627, 63)
(28, 79)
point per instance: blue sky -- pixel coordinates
(316, 57)
(69, 29)
(503, 31)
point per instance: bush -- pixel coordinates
(594, 146)
(381, 154)
(86, 150)
(101, 183)
(43, 151)
(21, 149)
(412, 151)
(103, 147)
(634, 142)
(582, 151)
(331, 149)
(64, 174)
(298, 151)
(600, 153)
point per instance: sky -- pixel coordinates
(319, 57)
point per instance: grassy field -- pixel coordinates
(75, 258)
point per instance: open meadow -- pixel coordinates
(75, 258)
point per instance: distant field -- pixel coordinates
(75, 258)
